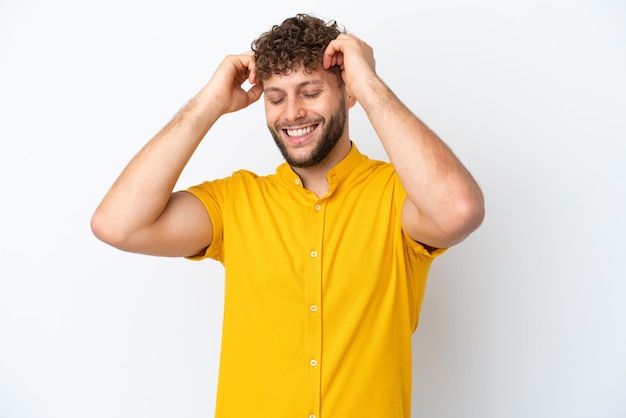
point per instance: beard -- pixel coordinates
(333, 130)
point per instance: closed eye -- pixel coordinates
(274, 100)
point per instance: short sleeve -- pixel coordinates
(400, 196)
(212, 195)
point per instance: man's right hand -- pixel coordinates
(227, 83)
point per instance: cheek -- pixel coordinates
(271, 115)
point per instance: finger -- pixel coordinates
(252, 72)
(327, 61)
(247, 59)
(254, 92)
(339, 60)
(330, 54)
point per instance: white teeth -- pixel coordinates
(300, 132)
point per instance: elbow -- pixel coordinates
(474, 215)
(99, 227)
(448, 223)
(106, 230)
(468, 215)
(457, 222)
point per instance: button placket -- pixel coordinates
(314, 306)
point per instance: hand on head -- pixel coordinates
(227, 83)
(355, 58)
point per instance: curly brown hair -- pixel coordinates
(298, 42)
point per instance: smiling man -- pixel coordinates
(326, 260)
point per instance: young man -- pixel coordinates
(326, 260)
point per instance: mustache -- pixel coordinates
(304, 122)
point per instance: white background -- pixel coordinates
(526, 318)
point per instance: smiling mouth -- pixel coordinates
(294, 133)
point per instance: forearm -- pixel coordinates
(440, 188)
(141, 192)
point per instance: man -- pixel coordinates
(326, 260)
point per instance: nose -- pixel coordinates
(295, 110)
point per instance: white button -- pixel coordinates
(313, 363)
(313, 308)
(311, 416)
(313, 253)
(297, 181)
(318, 207)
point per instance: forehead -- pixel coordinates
(299, 79)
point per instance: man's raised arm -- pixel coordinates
(444, 204)
(140, 213)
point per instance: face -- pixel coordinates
(306, 115)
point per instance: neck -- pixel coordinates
(315, 178)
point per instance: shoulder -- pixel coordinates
(239, 177)
(374, 171)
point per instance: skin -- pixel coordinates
(313, 101)
(296, 133)
(141, 214)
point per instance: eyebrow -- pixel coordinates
(300, 85)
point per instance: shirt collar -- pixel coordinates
(335, 175)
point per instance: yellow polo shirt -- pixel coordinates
(321, 295)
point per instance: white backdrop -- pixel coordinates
(526, 318)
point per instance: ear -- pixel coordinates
(350, 101)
